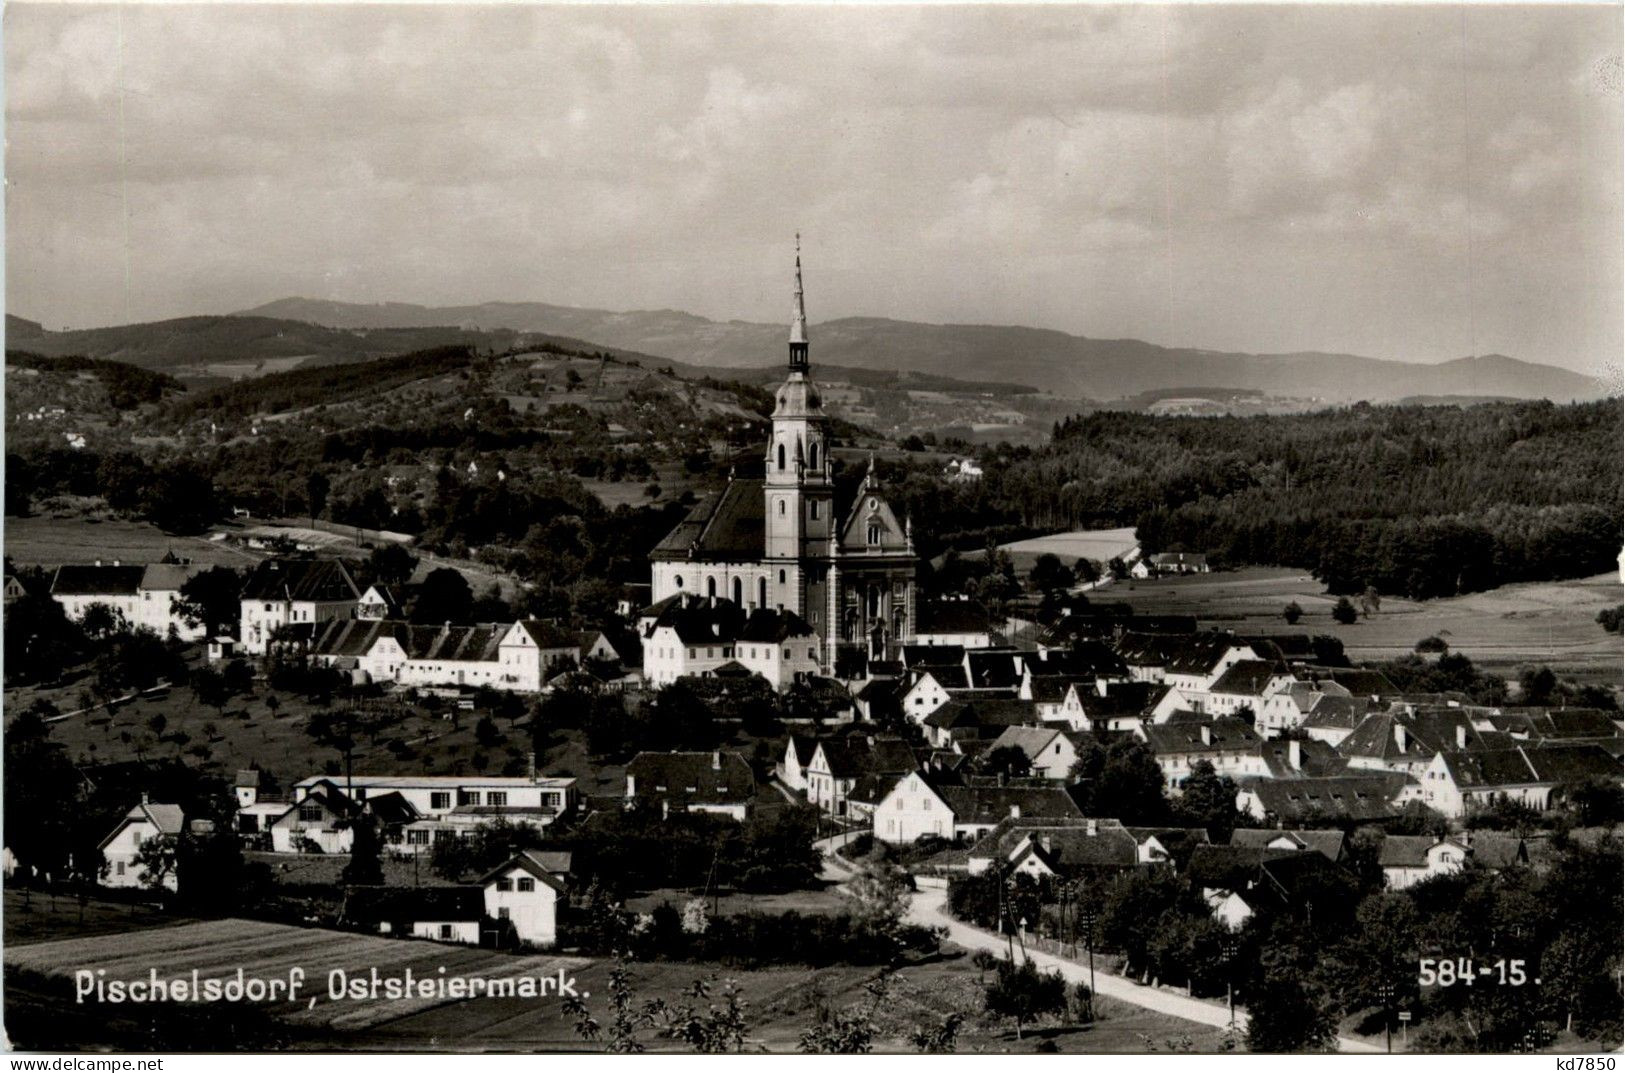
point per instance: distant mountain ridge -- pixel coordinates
(1042, 358)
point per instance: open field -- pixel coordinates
(1100, 545)
(33, 916)
(1552, 623)
(42, 540)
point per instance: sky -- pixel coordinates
(1419, 183)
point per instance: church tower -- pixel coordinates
(799, 496)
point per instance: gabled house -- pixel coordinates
(1245, 686)
(301, 593)
(966, 725)
(1330, 843)
(917, 807)
(1062, 848)
(839, 764)
(419, 810)
(318, 821)
(1407, 860)
(1230, 745)
(121, 849)
(382, 601)
(699, 635)
(1050, 752)
(145, 596)
(719, 783)
(1363, 797)
(524, 893)
(964, 623)
(1457, 781)
(798, 754)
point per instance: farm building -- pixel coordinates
(146, 596)
(122, 847)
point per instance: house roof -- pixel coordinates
(990, 804)
(1489, 768)
(354, 637)
(1342, 797)
(1233, 867)
(1497, 849)
(1410, 851)
(167, 577)
(250, 777)
(402, 905)
(1328, 842)
(1084, 659)
(543, 864)
(993, 669)
(319, 580)
(392, 808)
(1249, 677)
(1121, 698)
(1359, 681)
(83, 579)
(1030, 740)
(549, 635)
(1175, 738)
(1571, 762)
(933, 656)
(952, 617)
(168, 819)
(805, 746)
(857, 755)
(725, 526)
(1315, 758)
(711, 778)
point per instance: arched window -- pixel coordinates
(781, 502)
(812, 455)
(781, 456)
(782, 576)
(761, 592)
(710, 586)
(679, 581)
(739, 592)
(874, 534)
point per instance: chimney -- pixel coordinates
(98, 562)
(1399, 736)
(1294, 754)
(1015, 812)
(530, 767)
(144, 797)
(1461, 735)
(117, 563)
(716, 761)
(1044, 841)
(1207, 734)
(1091, 827)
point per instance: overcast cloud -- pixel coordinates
(1416, 183)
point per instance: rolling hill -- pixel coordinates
(1054, 361)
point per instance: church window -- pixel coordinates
(679, 581)
(812, 455)
(739, 592)
(781, 502)
(781, 456)
(761, 592)
(872, 503)
(812, 510)
(874, 534)
(710, 586)
(781, 577)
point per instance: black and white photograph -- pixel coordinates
(812, 529)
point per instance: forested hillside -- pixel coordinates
(1414, 500)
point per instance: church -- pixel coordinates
(790, 542)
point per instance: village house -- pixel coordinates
(519, 658)
(382, 601)
(718, 783)
(1230, 745)
(121, 849)
(961, 622)
(442, 914)
(839, 764)
(1166, 563)
(1457, 781)
(1063, 848)
(524, 894)
(1329, 842)
(1407, 860)
(14, 589)
(145, 597)
(1238, 882)
(792, 766)
(709, 636)
(916, 807)
(968, 726)
(1050, 752)
(299, 593)
(1354, 797)
(1245, 686)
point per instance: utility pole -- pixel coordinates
(1230, 947)
(1087, 918)
(1385, 992)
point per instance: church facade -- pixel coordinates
(789, 542)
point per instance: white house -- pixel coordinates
(709, 636)
(121, 848)
(144, 596)
(293, 592)
(716, 782)
(1230, 745)
(1407, 860)
(915, 808)
(1050, 752)
(526, 891)
(441, 914)
(960, 622)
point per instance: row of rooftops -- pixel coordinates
(714, 620)
(119, 579)
(482, 642)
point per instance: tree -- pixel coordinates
(1049, 574)
(391, 564)
(1130, 786)
(1343, 612)
(1086, 572)
(366, 846)
(849, 1031)
(880, 890)
(1292, 612)
(1209, 800)
(1023, 994)
(101, 621)
(444, 596)
(209, 687)
(316, 489)
(1118, 568)
(212, 599)
(1011, 760)
(1286, 1015)
(155, 861)
(1536, 685)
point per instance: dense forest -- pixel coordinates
(126, 385)
(1424, 501)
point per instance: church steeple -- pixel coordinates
(798, 321)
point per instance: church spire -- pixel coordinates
(798, 322)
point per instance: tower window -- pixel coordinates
(781, 456)
(812, 455)
(812, 510)
(739, 592)
(710, 586)
(781, 502)
(874, 534)
(781, 577)
(761, 592)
